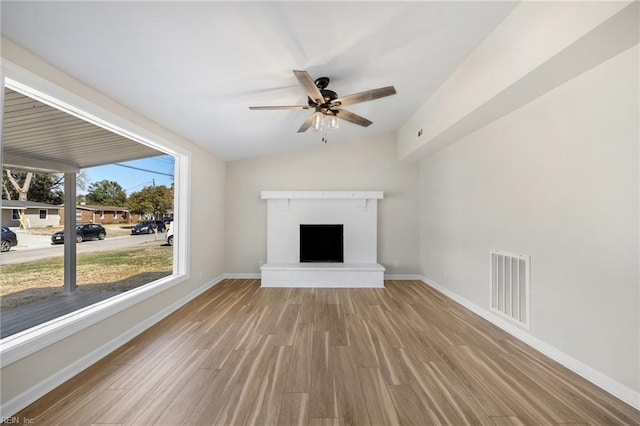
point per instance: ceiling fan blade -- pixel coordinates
(365, 96)
(307, 123)
(352, 118)
(307, 82)
(280, 107)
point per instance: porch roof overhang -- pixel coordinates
(37, 136)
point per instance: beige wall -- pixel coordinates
(556, 180)
(364, 164)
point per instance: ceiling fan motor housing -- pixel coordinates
(328, 95)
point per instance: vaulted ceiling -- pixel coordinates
(196, 67)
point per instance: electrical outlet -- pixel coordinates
(395, 263)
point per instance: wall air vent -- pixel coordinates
(510, 286)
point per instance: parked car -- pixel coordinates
(83, 232)
(170, 233)
(167, 220)
(9, 239)
(148, 227)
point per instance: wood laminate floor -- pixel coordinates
(405, 354)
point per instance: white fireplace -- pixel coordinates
(354, 213)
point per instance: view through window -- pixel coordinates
(123, 212)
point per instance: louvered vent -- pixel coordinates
(510, 286)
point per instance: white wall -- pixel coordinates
(365, 164)
(537, 47)
(206, 173)
(557, 180)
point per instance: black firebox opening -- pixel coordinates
(321, 243)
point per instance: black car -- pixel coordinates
(148, 227)
(9, 239)
(83, 232)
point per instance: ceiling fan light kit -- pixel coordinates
(322, 120)
(327, 105)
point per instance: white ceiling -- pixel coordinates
(196, 67)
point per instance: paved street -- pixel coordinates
(34, 247)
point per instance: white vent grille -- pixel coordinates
(510, 286)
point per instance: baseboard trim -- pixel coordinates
(596, 377)
(253, 276)
(242, 276)
(402, 277)
(32, 394)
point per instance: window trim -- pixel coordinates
(15, 214)
(46, 214)
(20, 345)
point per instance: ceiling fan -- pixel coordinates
(326, 103)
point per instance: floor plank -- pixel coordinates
(294, 410)
(405, 354)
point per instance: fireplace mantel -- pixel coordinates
(319, 195)
(356, 210)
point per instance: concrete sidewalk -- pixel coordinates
(28, 241)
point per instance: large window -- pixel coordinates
(113, 273)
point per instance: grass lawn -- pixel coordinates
(119, 270)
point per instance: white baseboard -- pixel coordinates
(596, 377)
(253, 276)
(242, 276)
(402, 277)
(27, 397)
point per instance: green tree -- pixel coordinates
(106, 193)
(152, 200)
(41, 187)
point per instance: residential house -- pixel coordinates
(101, 214)
(29, 214)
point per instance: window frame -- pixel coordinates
(15, 214)
(46, 214)
(20, 345)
